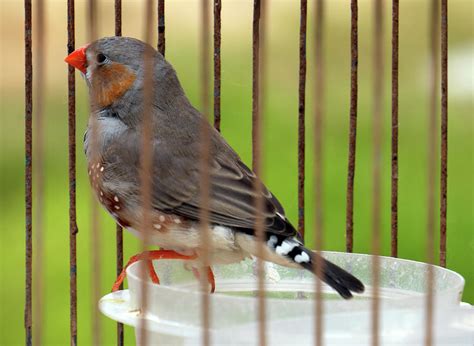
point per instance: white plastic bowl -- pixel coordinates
(173, 310)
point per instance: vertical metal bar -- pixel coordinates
(118, 17)
(258, 77)
(96, 268)
(217, 64)
(318, 164)
(72, 175)
(394, 185)
(28, 172)
(301, 115)
(431, 164)
(38, 144)
(352, 128)
(161, 27)
(377, 162)
(205, 145)
(118, 228)
(255, 83)
(444, 133)
(146, 164)
(95, 238)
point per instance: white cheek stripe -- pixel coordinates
(302, 258)
(285, 248)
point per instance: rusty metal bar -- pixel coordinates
(217, 64)
(38, 164)
(118, 17)
(258, 77)
(118, 228)
(352, 128)
(28, 172)
(255, 83)
(205, 157)
(301, 115)
(161, 27)
(444, 133)
(73, 230)
(394, 184)
(318, 164)
(96, 246)
(431, 164)
(119, 268)
(378, 70)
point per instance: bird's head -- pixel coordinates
(114, 70)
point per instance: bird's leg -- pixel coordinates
(210, 277)
(149, 256)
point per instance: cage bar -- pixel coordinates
(258, 63)
(28, 172)
(318, 165)
(394, 180)
(444, 134)
(118, 17)
(38, 164)
(95, 238)
(301, 116)
(431, 163)
(378, 70)
(205, 157)
(118, 228)
(161, 27)
(217, 64)
(146, 166)
(352, 127)
(73, 230)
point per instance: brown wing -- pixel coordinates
(177, 185)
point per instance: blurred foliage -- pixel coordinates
(280, 145)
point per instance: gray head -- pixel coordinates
(114, 69)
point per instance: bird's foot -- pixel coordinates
(148, 256)
(210, 277)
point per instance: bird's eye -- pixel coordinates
(101, 58)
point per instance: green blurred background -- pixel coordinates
(182, 50)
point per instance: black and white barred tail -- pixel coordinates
(336, 277)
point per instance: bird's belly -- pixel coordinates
(223, 250)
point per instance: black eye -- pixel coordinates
(101, 58)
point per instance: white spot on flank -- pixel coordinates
(157, 226)
(302, 258)
(102, 168)
(98, 164)
(162, 218)
(285, 247)
(116, 199)
(116, 207)
(178, 221)
(101, 193)
(272, 241)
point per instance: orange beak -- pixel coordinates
(78, 59)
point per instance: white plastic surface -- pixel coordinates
(173, 312)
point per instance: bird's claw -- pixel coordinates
(149, 256)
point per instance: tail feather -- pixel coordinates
(339, 279)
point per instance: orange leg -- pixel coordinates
(149, 256)
(210, 277)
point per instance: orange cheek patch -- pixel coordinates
(112, 82)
